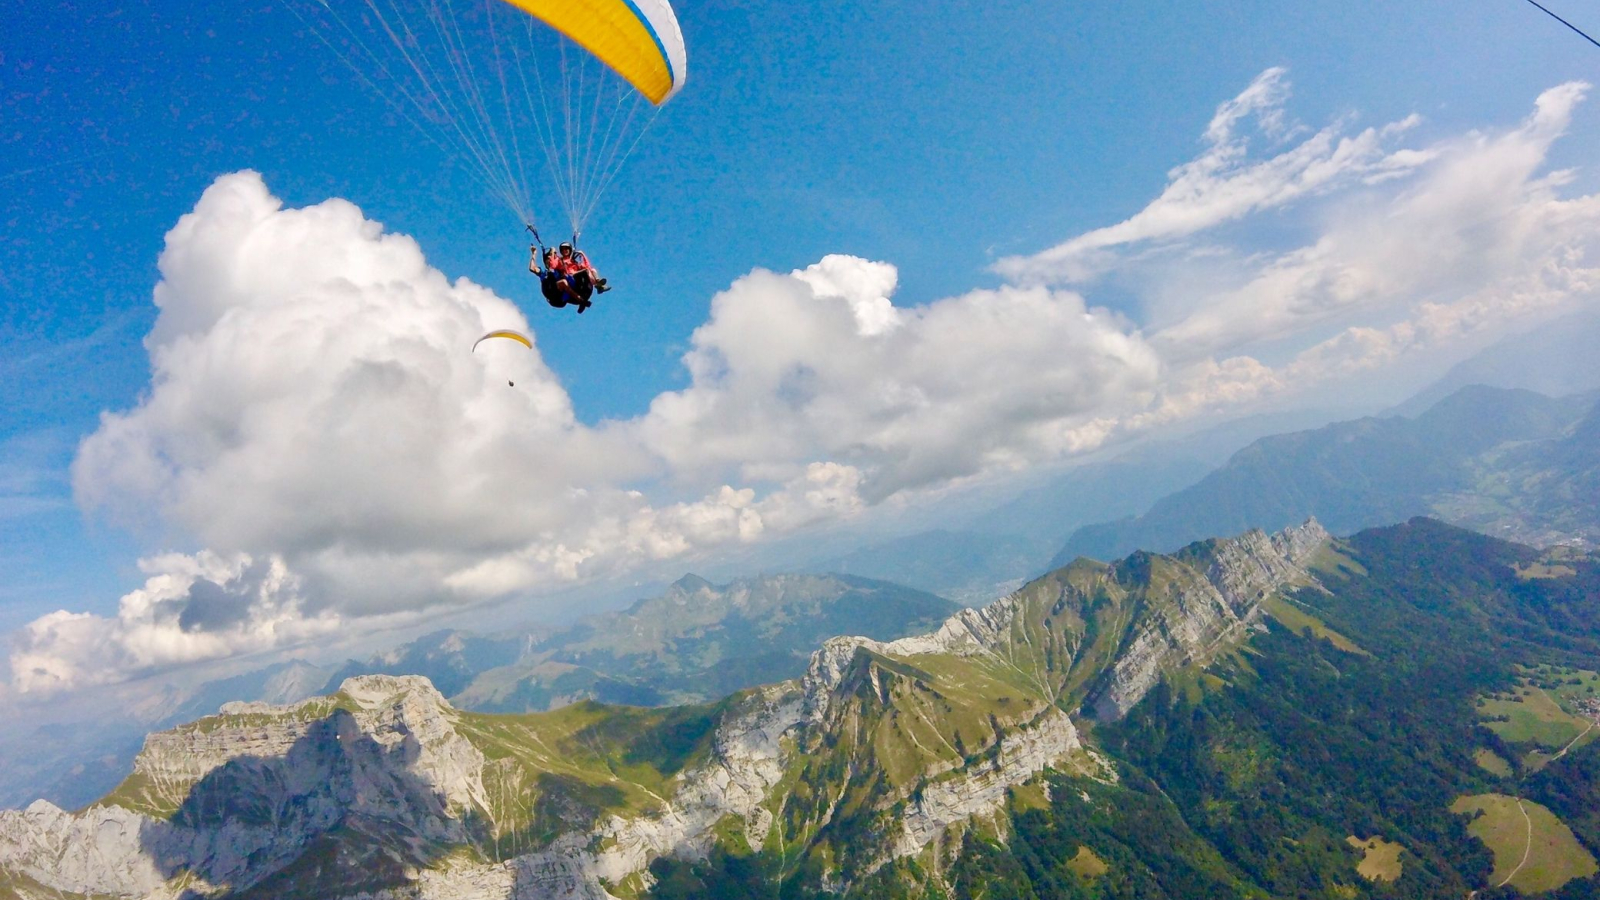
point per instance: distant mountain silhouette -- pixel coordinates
(695, 642)
(1454, 461)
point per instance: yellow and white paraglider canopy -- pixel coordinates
(639, 39)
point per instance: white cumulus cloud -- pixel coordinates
(191, 609)
(789, 369)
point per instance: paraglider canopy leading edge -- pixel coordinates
(508, 334)
(640, 41)
(513, 87)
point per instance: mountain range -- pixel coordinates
(1511, 463)
(695, 642)
(974, 555)
(1263, 716)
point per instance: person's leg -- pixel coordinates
(573, 290)
(550, 287)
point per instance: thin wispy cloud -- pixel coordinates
(33, 477)
(1482, 223)
(1226, 182)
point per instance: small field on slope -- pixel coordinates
(1547, 707)
(1557, 562)
(1294, 617)
(1537, 852)
(1492, 762)
(1380, 860)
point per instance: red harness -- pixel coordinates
(572, 265)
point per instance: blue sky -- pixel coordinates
(938, 137)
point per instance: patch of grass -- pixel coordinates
(731, 836)
(548, 771)
(1531, 846)
(1332, 559)
(304, 711)
(1087, 865)
(1530, 715)
(1492, 762)
(22, 887)
(1380, 859)
(943, 711)
(1557, 562)
(1542, 569)
(1033, 795)
(1296, 619)
(1568, 687)
(139, 794)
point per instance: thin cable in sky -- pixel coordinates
(1566, 23)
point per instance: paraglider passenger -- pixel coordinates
(575, 264)
(556, 284)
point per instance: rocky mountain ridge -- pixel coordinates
(879, 753)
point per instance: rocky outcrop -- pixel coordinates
(1195, 604)
(233, 798)
(747, 762)
(980, 789)
(101, 851)
(1191, 615)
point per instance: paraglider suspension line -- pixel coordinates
(1575, 28)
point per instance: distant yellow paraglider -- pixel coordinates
(506, 334)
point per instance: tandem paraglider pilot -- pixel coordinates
(566, 277)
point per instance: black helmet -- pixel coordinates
(566, 247)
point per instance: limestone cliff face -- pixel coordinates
(1198, 605)
(232, 799)
(384, 791)
(981, 789)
